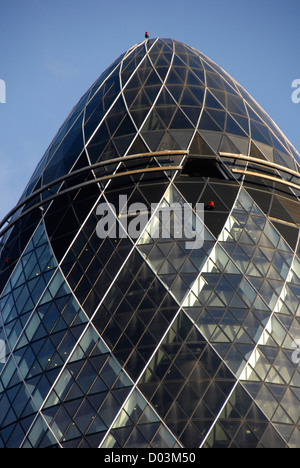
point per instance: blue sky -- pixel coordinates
(51, 51)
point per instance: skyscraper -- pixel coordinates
(143, 342)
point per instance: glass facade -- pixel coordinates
(144, 343)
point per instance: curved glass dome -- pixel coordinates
(157, 90)
(143, 343)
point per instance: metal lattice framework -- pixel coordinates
(140, 342)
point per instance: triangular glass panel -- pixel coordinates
(189, 98)
(168, 280)
(211, 278)
(246, 239)
(233, 127)
(233, 278)
(237, 302)
(266, 150)
(211, 102)
(213, 139)
(152, 139)
(224, 290)
(177, 257)
(152, 80)
(156, 49)
(196, 65)
(138, 147)
(215, 301)
(283, 160)
(251, 112)
(189, 278)
(219, 116)
(279, 143)
(168, 143)
(264, 242)
(139, 116)
(135, 99)
(176, 91)
(199, 146)
(207, 123)
(179, 289)
(167, 269)
(174, 78)
(235, 105)
(152, 92)
(295, 380)
(221, 96)
(164, 99)
(243, 122)
(214, 81)
(253, 271)
(230, 325)
(198, 257)
(125, 128)
(180, 69)
(123, 143)
(219, 337)
(153, 123)
(180, 121)
(255, 152)
(244, 349)
(193, 80)
(166, 114)
(162, 60)
(227, 146)
(260, 133)
(193, 113)
(166, 248)
(235, 361)
(241, 143)
(229, 87)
